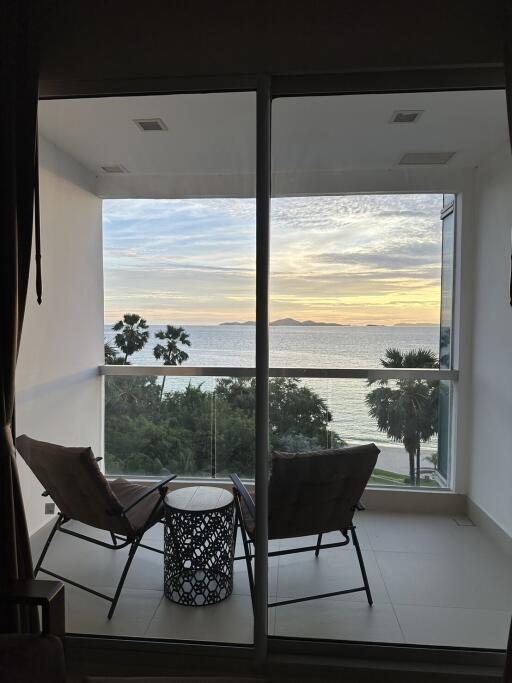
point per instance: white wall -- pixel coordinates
(490, 482)
(58, 391)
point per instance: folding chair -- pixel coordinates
(310, 493)
(73, 480)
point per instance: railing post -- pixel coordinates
(213, 432)
(263, 175)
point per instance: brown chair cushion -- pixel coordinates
(138, 516)
(75, 483)
(317, 491)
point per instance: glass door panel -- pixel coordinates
(148, 211)
(365, 275)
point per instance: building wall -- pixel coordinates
(58, 391)
(491, 436)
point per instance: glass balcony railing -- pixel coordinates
(200, 422)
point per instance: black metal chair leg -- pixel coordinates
(235, 533)
(60, 517)
(355, 541)
(131, 555)
(114, 539)
(247, 550)
(318, 544)
(250, 575)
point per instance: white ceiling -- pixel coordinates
(354, 132)
(212, 133)
(209, 147)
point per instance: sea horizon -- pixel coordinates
(229, 323)
(355, 346)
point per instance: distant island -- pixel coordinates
(290, 322)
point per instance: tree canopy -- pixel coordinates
(132, 334)
(170, 352)
(198, 430)
(407, 411)
(203, 429)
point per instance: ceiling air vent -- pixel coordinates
(406, 116)
(113, 168)
(425, 158)
(150, 125)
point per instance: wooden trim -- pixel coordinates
(473, 77)
(132, 87)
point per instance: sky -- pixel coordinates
(359, 259)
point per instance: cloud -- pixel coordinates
(194, 258)
(148, 265)
(389, 257)
(151, 210)
(404, 213)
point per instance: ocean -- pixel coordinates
(308, 347)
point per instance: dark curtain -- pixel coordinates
(18, 127)
(507, 24)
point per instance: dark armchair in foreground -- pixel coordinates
(34, 658)
(310, 494)
(72, 478)
(39, 657)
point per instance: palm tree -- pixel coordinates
(171, 352)
(409, 412)
(133, 334)
(111, 355)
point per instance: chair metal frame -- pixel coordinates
(118, 541)
(242, 494)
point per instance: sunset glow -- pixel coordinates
(365, 259)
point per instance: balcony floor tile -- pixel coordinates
(333, 570)
(340, 621)
(230, 621)
(422, 534)
(448, 580)
(86, 613)
(433, 583)
(458, 626)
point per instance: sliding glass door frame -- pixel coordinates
(263, 195)
(267, 88)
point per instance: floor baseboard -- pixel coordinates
(489, 526)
